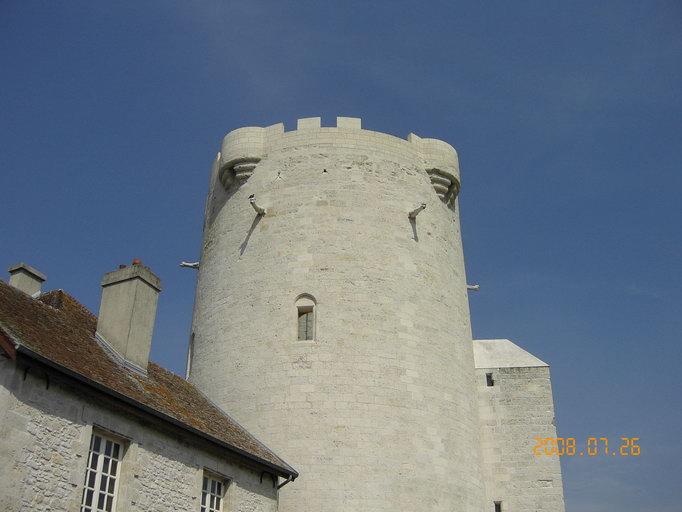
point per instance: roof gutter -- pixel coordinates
(289, 473)
(289, 479)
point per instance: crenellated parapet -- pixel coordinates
(332, 314)
(332, 318)
(243, 149)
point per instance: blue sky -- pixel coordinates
(566, 115)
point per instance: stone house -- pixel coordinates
(87, 423)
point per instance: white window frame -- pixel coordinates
(213, 492)
(104, 465)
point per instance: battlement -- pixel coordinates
(243, 148)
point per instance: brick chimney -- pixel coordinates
(127, 312)
(27, 279)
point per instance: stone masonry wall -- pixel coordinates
(379, 411)
(44, 443)
(518, 407)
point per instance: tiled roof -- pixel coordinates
(56, 328)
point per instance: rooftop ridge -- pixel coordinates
(503, 353)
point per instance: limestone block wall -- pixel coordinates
(44, 443)
(516, 408)
(379, 412)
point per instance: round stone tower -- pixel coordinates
(331, 315)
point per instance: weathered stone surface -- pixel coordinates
(512, 412)
(127, 312)
(44, 442)
(380, 411)
(26, 278)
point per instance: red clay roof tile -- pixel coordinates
(59, 329)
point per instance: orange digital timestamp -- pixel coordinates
(595, 446)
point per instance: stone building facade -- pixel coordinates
(66, 399)
(332, 318)
(515, 407)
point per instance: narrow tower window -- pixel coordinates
(306, 324)
(305, 309)
(489, 381)
(498, 506)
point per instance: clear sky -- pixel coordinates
(567, 117)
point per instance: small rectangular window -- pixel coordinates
(306, 323)
(498, 506)
(212, 493)
(101, 476)
(489, 381)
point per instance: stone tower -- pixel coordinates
(332, 318)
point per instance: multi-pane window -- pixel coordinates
(212, 494)
(101, 478)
